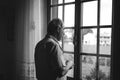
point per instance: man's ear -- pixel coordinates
(58, 29)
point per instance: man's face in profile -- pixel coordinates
(61, 33)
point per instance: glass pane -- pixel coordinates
(89, 40)
(69, 15)
(106, 12)
(88, 67)
(60, 1)
(54, 12)
(68, 40)
(53, 2)
(89, 13)
(66, 1)
(60, 12)
(68, 56)
(104, 68)
(105, 41)
(57, 12)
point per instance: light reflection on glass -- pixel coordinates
(89, 14)
(69, 15)
(66, 1)
(60, 1)
(106, 12)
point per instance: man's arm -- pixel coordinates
(68, 66)
(57, 62)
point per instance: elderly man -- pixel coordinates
(48, 54)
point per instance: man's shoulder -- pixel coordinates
(47, 40)
(51, 41)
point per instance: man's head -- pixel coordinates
(55, 28)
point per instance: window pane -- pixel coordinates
(106, 12)
(104, 68)
(68, 40)
(60, 1)
(57, 12)
(105, 41)
(53, 2)
(68, 56)
(88, 40)
(54, 12)
(88, 67)
(89, 14)
(69, 15)
(60, 12)
(66, 1)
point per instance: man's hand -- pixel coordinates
(69, 64)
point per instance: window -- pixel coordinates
(89, 24)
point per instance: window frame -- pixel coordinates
(77, 35)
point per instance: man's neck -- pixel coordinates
(54, 36)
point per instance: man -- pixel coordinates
(49, 55)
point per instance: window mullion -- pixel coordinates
(63, 8)
(48, 10)
(77, 60)
(98, 36)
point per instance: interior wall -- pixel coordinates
(31, 23)
(116, 41)
(7, 44)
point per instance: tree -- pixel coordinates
(93, 75)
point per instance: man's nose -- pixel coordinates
(63, 33)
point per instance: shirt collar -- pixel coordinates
(50, 36)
